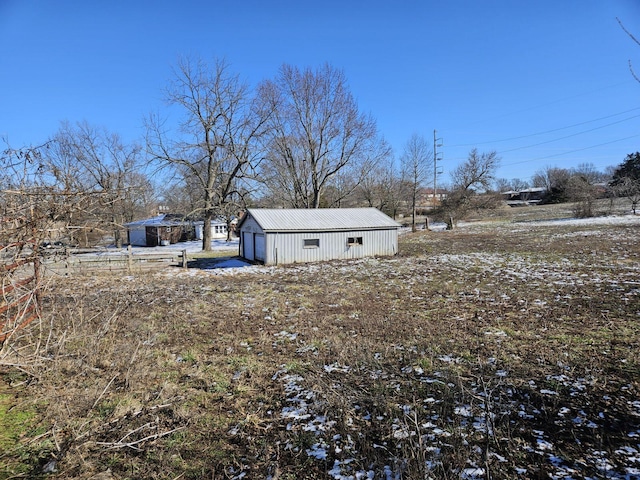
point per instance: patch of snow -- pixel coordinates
(336, 367)
(463, 410)
(232, 263)
(545, 391)
(191, 247)
(608, 220)
(472, 473)
(318, 450)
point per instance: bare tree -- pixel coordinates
(468, 179)
(581, 191)
(503, 185)
(514, 184)
(33, 204)
(519, 184)
(554, 180)
(477, 173)
(316, 133)
(629, 188)
(87, 159)
(589, 171)
(379, 188)
(217, 142)
(626, 179)
(181, 194)
(417, 163)
(25, 219)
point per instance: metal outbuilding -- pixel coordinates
(278, 236)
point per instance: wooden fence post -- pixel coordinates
(129, 257)
(184, 259)
(450, 224)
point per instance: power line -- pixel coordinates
(560, 100)
(570, 151)
(552, 130)
(569, 136)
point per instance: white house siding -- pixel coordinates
(289, 247)
(218, 230)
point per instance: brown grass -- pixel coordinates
(468, 351)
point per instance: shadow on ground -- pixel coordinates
(220, 262)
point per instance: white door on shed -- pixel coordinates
(259, 245)
(247, 245)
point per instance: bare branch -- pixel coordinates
(316, 134)
(218, 140)
(636, 41)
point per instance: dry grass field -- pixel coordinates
(507, 348)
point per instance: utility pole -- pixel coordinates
(435, 167)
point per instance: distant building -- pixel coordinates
(166, 229)
(425, 198)
(521, 198)
(218, 228)
(163, 229)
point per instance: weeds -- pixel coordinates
(493, 351)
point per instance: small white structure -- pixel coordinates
(278, 236)
(218, 228)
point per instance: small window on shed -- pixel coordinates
(168, 229)
(353, 241)
(311, 243)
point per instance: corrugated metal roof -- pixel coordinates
(320, 219)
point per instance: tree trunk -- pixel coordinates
(117, 237)
(413, 212)
(316, 198)
(206, 230)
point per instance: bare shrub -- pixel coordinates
(583, 193)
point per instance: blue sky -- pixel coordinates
(545, 83)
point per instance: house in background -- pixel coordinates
(163, 229)
(167, 228)
(427, 201)
(528, 196)
(218, 228)
(279, 236)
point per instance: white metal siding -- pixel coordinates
(249, 228)
(289, 247)
(282, 247)
(247, 246)
(258, 243)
